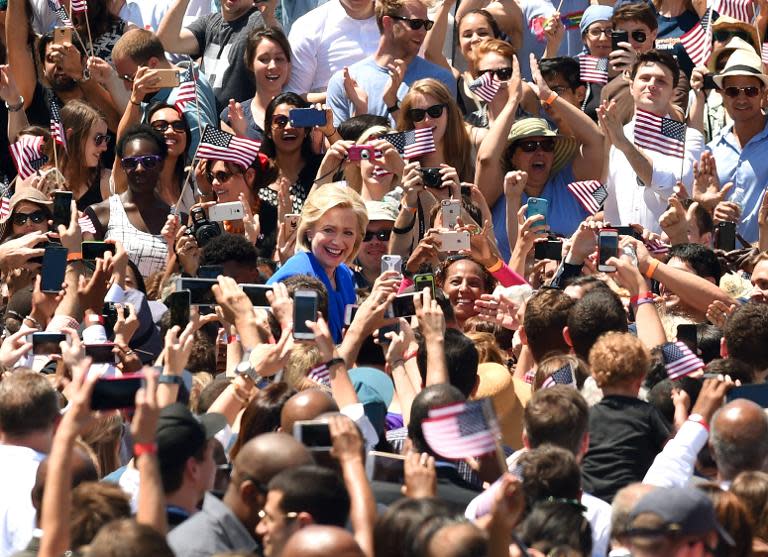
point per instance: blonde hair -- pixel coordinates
(617, 359)
(303, 357)
(550, 365)
(391, 7)
(487, 348)
(321, 200)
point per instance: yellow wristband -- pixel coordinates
(495, 267)
(551, 98)
(651, 269)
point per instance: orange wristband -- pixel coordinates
(551, 98)
(144, 448)
(74, 256)
(496, 266)
(651, 269)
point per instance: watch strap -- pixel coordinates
(170, 379)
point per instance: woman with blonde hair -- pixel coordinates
(328, 237)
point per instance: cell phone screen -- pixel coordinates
(384, 467)
(96, 250)
(46, 343)
(551, 249)
(178, 304)
(313, 434)
(199, 289)
(608, 247)
(725, 236)
(116, 393)
(257, 293)
(618, 37)
(403, 306)
(304, 309)
(54, 268)
(101, 353)
(210, 271)
(62, 208)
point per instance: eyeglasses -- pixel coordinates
(595, 32)
(220, 176)
(126, 77)
(381, 235)
(101, 138)
(434, 111)
(734, 92)
(147, 161)
(266, 517)
(280, 121)
(415, 23)
(502, 74)
(20, 219)
(530, 146)
(162, 126)
(724, 35)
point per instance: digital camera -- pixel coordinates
(202, 228)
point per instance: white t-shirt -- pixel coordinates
(18, 468)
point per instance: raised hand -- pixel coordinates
(706, 184)
(251, 222)
(15, 346)
(237, 120)
(514, 183)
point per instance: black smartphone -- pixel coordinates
(382, 338)
(305, 303)
(54, 268)
(313, 434)
(618, 37)
(257, 293)
(385, 467)
(709, 83)
(178, 304)
(101, 353)
(210, 271)
(109, 313)
(47, 343)
(115, 393)
(62, 208)
(350, 310)
(200, 293)
(403, 306)
(607, 247)
(687, 333)
(96, 250)
(551, 249)
(424, 280)
(757, 393)
(628, 231)
(725, 236)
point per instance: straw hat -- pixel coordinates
(32, 195)
(736, 43)
(726, 23)
(742, 62)
(385, 210)
(509, 396)
(565, 146)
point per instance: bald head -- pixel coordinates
(623, 503)
(739, 438)
(320, 541)
(306, 405)
(265, 455)
(460, 539)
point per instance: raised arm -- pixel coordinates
(174, 37)
(432, 326)
(435, 39)
(19, 51)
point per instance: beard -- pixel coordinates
(63, 83)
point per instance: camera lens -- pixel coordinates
(365, 154)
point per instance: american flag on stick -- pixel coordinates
(697, 41)
(679, 360)
(593, 69)
(462, 430)
(658, 133)
(320, 375)
(28, 155)
(590, 194)
(413, 143)
(561, 376)
(743, 10)
(5, 202)
(220, 145)
(60, 12)
(764, 53)
(79, 6)
(57, 129)
(486, 86)
(185, 94)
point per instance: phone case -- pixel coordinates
(226, 211)
(451, 209)
(454, 240)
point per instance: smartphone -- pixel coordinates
(450, 210)
(391, 263)
(350, 310)
(360, 152)
(257, 293)
(54, 267)
(431, 177)
(628, 231)
(210, 271)
(304, 309)
(306, 117)
(101, 353)
(226, 211)
(96, 250)
(454, 240)
(466, 191)
(424, 280)
(403, 306)
(538, 206)
(607, 247)
(725, 236)
(292, 220)
(62, 208)
(47, 343)
(550, 249)
(115, 393)
(385, 467)
(313, 434)
(687, 333)
(200, 293)
(178, 304)
(167, 77)
(62, 35)
(382, 336)
(618, 37)
(709, 82)
(757, 393)
(109, 313)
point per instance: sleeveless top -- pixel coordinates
(147, 251)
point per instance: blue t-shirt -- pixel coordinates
(668, 38)
(254, 130)
(565, 213)
(305, 263)
(374, 78)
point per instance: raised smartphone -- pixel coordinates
(62, 208)
(391, 263)
(54, 268)
(167, 78)
(178, 304)
(306, 117)
(226, 211)
(96, 250)
(450, 211)
(607, 247)
(725, 236)
(538, 206)
(114, 393)
(424, 280)
(313, 434)
(453, 240)
(304, 309)
(47, 343)
(101, 353)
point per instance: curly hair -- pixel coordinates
(617, 359)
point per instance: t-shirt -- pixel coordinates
(668, 38)
(222, 46)
(625, 435)
(254, 129)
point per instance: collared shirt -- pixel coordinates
(18, 468)
(747, 168)
(674, 465)
(215, 529)
(631, 202)
(326, 40)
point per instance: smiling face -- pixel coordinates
(91, 150)
(287, 139)
(652, 88)
(760, 282)
(406, 41)
(228, 181)
(472, 30)
(439, 124)
(597, 38)
(143, 177)
(538, 164)
(28, 208)
(332, 238)
(494, 61)
(270, 66)
(372, 250)
(176, 140)
(743, 108)
(464, 283)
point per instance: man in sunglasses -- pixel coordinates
(387, 75)
(381, 219)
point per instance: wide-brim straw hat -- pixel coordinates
(33, 195)
(726, 22)
(565, 147)
(736, 43)
(742, 62)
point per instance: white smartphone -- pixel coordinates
(304, 309)
(450, 211)
(607, 247)
(292, 220)
(349, 313)
(226, 211)
(391, 263)
(454, 240)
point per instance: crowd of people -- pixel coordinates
(384, 278)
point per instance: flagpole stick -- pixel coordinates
(88, 28)
(77, 33)
(189, 172)
(56, 164)
(199, 127)
(490, 417)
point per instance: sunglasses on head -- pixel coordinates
(381, 235)
(280, 121)
(415, 23)
(36, 217)
(434, 111)
(147, 161)
(101, 138)
(724, 35)
(502, 74)
(734, 92)
(162, 125)
(532, 145)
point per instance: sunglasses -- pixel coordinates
(381, 235)
(101, 138)
(725, 35)
(37, 217)
(146, 161)
(415, 24)
(502, 74)
(434, 111)
(220, 176)
(280, 122)
(530, 146)
(734, 92)
(162, 126)
(639, 36)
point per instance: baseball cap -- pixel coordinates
(375, 391)
(181, 435)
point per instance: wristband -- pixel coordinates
(642, 301)
(410, 355)
(397, 363)
(94, 319)
(130, 100)
(651, 269)
(74, 256)
(166, 379)
(35, 322)
(633, 300)
(335, 362)
(495, 267)
(15, 107)
(140, 449)
(551, 98)
(699, 419)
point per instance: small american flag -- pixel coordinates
(413, 143)
(461, 430)
(561, 376)
(486, 86)
(79, 6)
(379, 171)
(590, 194)
(5, 203)
(86, 224)
(764, 53)
(593, 69)
(220, 145)
(27, 155)
(659, 134)
(57, 130)
(743, 10)
(185, 94)
(60, 12)
(320, 375)
(697, 41)
(679, 360)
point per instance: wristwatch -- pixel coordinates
(245, 367)
(171, 379)
(394, 108)
(15, 107)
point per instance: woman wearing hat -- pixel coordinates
(29, 211)
(596, 29)
(546, 161)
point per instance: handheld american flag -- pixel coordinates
(590, 194)
(187, 91)
(764, 53)
(679, 360)
(78, 6)
(743, 10)
(697, 41)
(593, 69)
(60, 12)
(86, 224)
(561, 376)
(57, 129)
(658, 133)
(5, 202)
(413, 143)
(486, 86)
(320, 375)
(462, 430)
(220, 145)
(28, 155)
